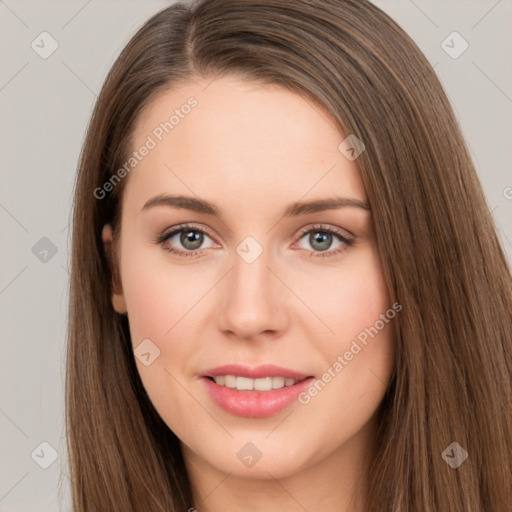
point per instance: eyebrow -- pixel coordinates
(293, 209)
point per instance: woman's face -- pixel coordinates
(263, 291)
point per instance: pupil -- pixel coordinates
(324, 239)
(191, 239)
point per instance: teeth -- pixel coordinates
(243, 383)
(278, 382)
(229, 381)
(246, 384)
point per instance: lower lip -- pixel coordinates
(254, 404)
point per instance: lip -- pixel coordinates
(254, 404)
(264, 370)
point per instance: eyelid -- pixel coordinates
(181, 227)
(345, 237)
(185, 225)
(172, 230)
(324, 227)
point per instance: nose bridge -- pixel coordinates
(251, 277)
(252, 302)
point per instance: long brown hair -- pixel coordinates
(441, 257)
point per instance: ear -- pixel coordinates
(118, 301)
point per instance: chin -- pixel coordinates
(251, 455)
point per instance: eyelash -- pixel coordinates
(164, 237)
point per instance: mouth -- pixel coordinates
(254, 393)
(248, 384)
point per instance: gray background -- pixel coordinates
(45, 106)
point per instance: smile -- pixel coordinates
(254, 392)
(248, 384)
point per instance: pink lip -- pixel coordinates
(254, 404)
(265, 370)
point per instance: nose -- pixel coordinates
(253, 300)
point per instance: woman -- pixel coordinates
(287, 292)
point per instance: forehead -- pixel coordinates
(236, 141)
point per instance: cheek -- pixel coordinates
(160, 305)
(368, 322)
(358, 358)
(163, 302)
(158, 295)
(351, 298)
(165, 305)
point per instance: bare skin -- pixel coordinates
(252, 150)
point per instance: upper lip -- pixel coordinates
(257, 372)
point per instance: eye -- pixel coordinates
(321, 238)
(189, 237)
